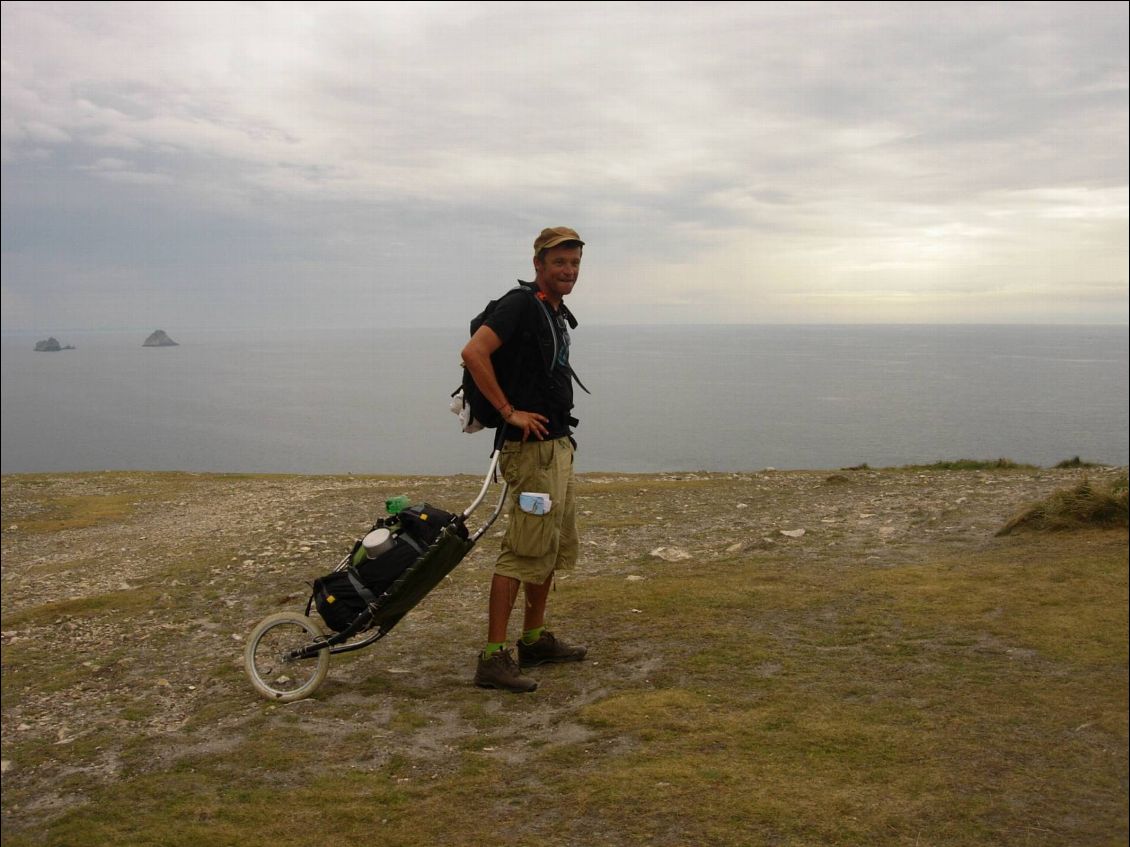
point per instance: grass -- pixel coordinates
(980, 465)
(1076, 462)
(1085, 504)
(114, 602)
(80, 512)
(122, 494)
(972, 465)
(978, 699)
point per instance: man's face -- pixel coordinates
(557, 271)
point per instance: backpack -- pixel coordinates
(474, 410)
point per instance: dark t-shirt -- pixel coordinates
(519, 367)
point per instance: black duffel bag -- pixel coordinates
(338, 599)
(379, 573)
(337, 596)
(424, 523)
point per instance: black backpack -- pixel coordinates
(474, 410)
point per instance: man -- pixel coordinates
(519, 359)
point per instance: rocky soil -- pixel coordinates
(122, 639)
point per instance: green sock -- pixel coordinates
(492, 648)
(532, 635)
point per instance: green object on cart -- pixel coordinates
(396, 505)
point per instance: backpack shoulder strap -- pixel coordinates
(565, 313)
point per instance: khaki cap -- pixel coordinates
(555, 235)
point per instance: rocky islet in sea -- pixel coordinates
(51, 345)
(158, 338)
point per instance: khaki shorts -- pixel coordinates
(537, 545)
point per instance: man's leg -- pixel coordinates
(536, 598)
(503, 591)
(537, 644)
(497, 667)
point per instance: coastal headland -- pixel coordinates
(789, 657)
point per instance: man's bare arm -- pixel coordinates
(476, 358)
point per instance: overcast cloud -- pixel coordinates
(226, 165)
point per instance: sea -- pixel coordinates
(664, 398)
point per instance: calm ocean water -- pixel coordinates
(664, 398)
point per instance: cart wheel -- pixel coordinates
(273, 673)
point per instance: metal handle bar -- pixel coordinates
(486, 484)
(482, 495)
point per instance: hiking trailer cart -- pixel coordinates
(387, 573)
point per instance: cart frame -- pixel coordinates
(292, 643)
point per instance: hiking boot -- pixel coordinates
(501, 671)
(548, 648)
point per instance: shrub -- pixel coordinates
(1076, 462)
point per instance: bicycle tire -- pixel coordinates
(272, 673)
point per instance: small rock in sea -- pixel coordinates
(636, 578)
(793, 533)
(743, 506)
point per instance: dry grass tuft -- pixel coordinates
(1085, 505)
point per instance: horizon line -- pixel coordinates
(593, 323)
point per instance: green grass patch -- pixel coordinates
(79, 512)
(123, 603)
(972, 465)
(1076, 462)
(119, 494)
(903, 698)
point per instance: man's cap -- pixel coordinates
(555, 235)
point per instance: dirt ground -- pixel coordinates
(195, 561)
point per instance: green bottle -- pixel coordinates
(395, 505)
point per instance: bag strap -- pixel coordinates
(573, 374)
(407, 538)
(355, 580)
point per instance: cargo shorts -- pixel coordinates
(535, 546)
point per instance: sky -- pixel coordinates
(285, 165)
